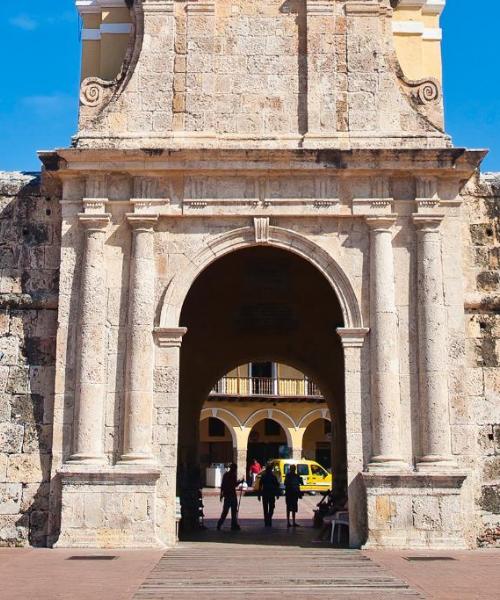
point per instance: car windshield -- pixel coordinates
(317, 470)
(302, 470)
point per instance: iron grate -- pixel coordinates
(91, 557)
(428, 558)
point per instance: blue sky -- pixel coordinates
(40, 46)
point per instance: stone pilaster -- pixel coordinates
(353, 341)
(91, 378)
(138, 428)
(433, 351)
(317, 93)
(166, 382)
(384, 349)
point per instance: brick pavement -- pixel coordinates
(48, 575)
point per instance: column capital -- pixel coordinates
(353, 337)
(381, 222)
(138, 221)
(170, 337)
(96, 221)
(427, 222)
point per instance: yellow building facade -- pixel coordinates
(265, 410)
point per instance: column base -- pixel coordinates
(137, 458)
(88, 459)
(435, 463)
(380, 464)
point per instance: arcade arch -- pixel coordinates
(255, 304)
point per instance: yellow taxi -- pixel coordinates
(314, 476)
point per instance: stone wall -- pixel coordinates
(482, 271)
(29, 270)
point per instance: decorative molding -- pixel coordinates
(261, 226)
(94, 206)
(424, 91)
(430, 222)
(320, 7)
(353, 337)
(98, 221)
(197, 203)
(169, 337)
(381, 222)
(205, 7)
(161, 6)
(148, 205)
(94, 90)
(367, 8)
(138, 221)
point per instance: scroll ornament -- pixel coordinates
(94, 90)
(425, 91)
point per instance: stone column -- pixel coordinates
(240, 458)
(384, 349)
(433, 351)
(138, 417)
(91, 377)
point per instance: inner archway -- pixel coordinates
(316, 442)
(259, 304)
(267, 440)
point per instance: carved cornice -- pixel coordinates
(96, 222)
(142, 221)
(169, 337)
(427, 223)
(353, 337)
(381, 223)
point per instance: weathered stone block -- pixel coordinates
(28, 468)
(11, 438)
(13, 530)
(427, 513)
(10, 498)
(490, 498)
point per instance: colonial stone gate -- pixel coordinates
(283, 125)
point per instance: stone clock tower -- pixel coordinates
(288, 132)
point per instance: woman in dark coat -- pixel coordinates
(292, 494)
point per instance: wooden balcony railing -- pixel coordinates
(265, 386)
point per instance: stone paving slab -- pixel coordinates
(233, 570)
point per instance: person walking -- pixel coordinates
(228, 494)
(254, 470)
(269, 491)
(293, 481)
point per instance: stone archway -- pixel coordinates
(222, 345)
(247, 237)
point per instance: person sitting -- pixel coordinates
(337, 503)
